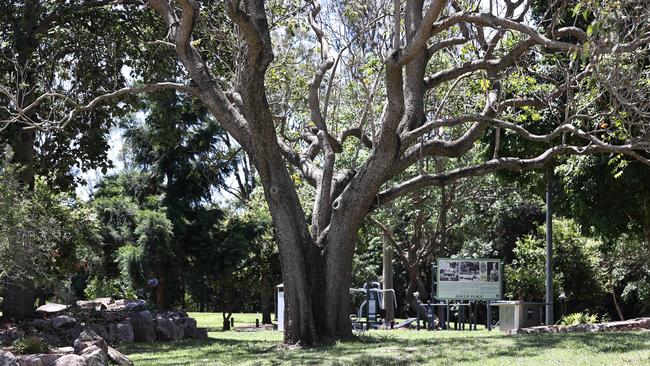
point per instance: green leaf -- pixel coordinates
(485, 84)
(576, 9)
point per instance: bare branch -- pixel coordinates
(20, 115)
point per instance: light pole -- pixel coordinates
(549, 245)
(387, 278)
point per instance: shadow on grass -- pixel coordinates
(403, 348)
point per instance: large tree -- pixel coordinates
(453, 72)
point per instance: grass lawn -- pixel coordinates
(214, 321)
(398, 347)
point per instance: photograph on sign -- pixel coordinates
(469, 271)
(483, 271)
(493, 271)
(449, 271)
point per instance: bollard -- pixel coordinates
(257, 323)
(461, 315)
(392, 324)
(488, 316)
(447, 315)
(232, 322)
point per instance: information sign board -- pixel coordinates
(469, 279)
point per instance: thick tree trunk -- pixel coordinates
(616, 304)
(226, 321)
(161, 292)
(267, 306)
(339, 276)
(416, 284)
(183, 300)
(18, 299)
(42, 298)
(299, 258)
(316, 279)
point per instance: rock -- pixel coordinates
(136, 305)
(197, 333)
(51, 309)
(8, 359)
(40, 324)
(54, 338)
(179, 332)
(63, 321)
(100, 329)
(122, 332)
(121, 302)
(64, 350)
(31, 360)
(88, 338)
(8, 336)
(75, 331)
(186, 323)
(98, 304)
(70, 360)
(50, 358)
(118, 358)
(143, 326)
(104, 300)
(167, 330)
(94, 356)
(633, 324)
(38, 360)
(86, 304)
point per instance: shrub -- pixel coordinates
(578, 318)
(577, 270)
(30, 345)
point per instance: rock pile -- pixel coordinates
(89, 350)
(626, 325)
(92, 327)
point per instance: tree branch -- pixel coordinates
(20, 115)
(424, 32)
(490, 166)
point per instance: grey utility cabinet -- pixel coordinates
(519, 314)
